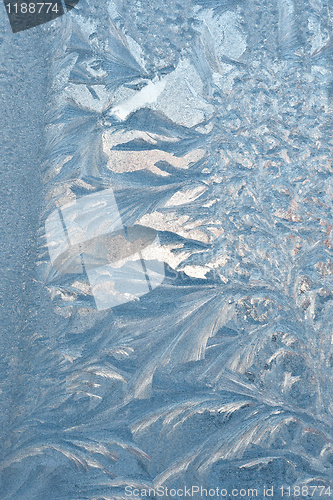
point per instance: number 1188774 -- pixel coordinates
(32, 8)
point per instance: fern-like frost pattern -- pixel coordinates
(208, 125)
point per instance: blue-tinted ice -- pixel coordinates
(175, 324)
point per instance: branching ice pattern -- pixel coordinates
(223, 374)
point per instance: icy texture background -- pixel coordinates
(211, 121)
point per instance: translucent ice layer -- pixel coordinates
(186, 245)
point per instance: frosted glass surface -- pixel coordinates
(166, 251)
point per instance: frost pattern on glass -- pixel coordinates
(210, 121)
